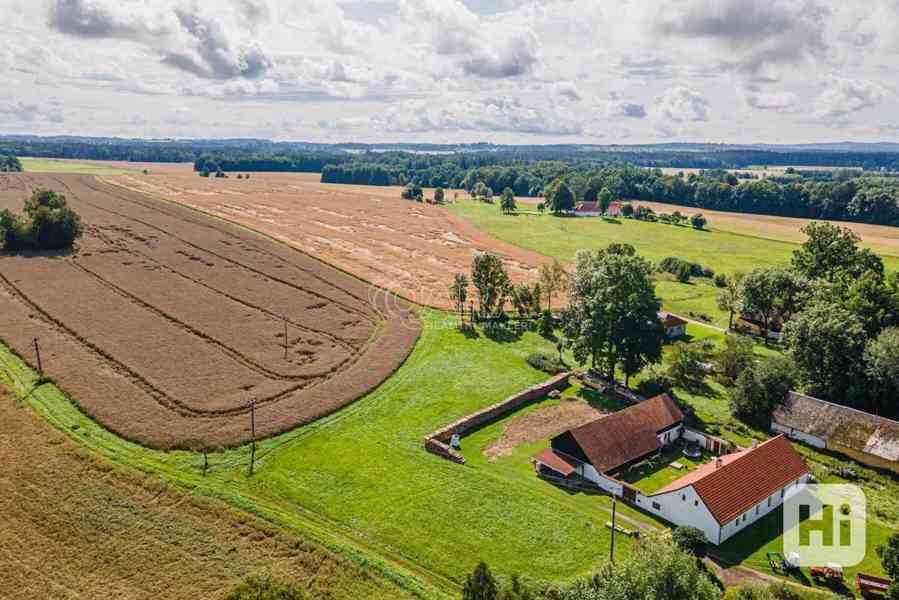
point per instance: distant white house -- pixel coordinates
(867, 438)
(675, 326)
(720, 498)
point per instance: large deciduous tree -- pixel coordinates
(831, 250)
(488, 274)
(559, 197)
(769, 292)
(507, 201)
(882, 367)
(612, 312)
(827, 343)
(553, 279)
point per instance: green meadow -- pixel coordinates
(59, 165)
(562, 237)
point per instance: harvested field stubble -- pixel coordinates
(410, 248)
(164, 323)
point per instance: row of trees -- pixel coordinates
(10, 164)
(47, 224)
(840, 316)
(494, 289)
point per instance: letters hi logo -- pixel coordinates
(825, 524)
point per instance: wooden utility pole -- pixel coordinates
(252, 434)
(612, 545)
(285, 336)
(40, 364)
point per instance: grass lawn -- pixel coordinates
(59, 165)
(652, 475)
(561, 237)
(749, 548)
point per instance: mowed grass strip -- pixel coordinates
(561, 237)
(63, 165)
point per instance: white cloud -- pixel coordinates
(682, 105)
(842, 96)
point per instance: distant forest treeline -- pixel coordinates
(868, 194)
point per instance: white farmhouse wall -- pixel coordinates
(758, 511)
(677, 331)
(588, 472)
(682, 507)
(672, 435)
(587, 213)
(795, 434)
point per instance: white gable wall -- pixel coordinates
(682, 507)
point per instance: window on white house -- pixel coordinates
(657, 506)
(744, 518)
(756, 509)
(683, 497)
(769, 501)
(696, 503)
(781, 493)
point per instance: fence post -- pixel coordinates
(40, 364)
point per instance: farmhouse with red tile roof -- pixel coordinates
(611, 443)
(720, 498)
(675, 326)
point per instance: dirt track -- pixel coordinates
(164, 323)
(410, 248)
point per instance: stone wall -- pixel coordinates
(438, 441)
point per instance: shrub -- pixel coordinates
(545, 362)
(265, 587)
(720, 280)
(698, 221)
(691, 540)
(737, 355)
(627, 210)
(412, 191)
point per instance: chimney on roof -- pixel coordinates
(755, 443)
(717, 462)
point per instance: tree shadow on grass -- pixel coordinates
(469, 331)
(501, 333)
(600, 401)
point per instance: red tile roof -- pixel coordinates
(557, 461)
(671, 319)
(616, 439)
(587, 207)
(745, 478)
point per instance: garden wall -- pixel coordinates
(438, 441)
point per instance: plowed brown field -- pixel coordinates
(164, 322)
(412, 249)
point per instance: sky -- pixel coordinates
(453, 71)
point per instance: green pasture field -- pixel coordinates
(360, 483)
(59, 165)
(562, 237)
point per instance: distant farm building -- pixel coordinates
(720, 497)
(675, 326)
(592, 209)
(866, 438)
(587, 209)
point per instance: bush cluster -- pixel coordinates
(48, 224)
(545, 362)
(684, 269)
